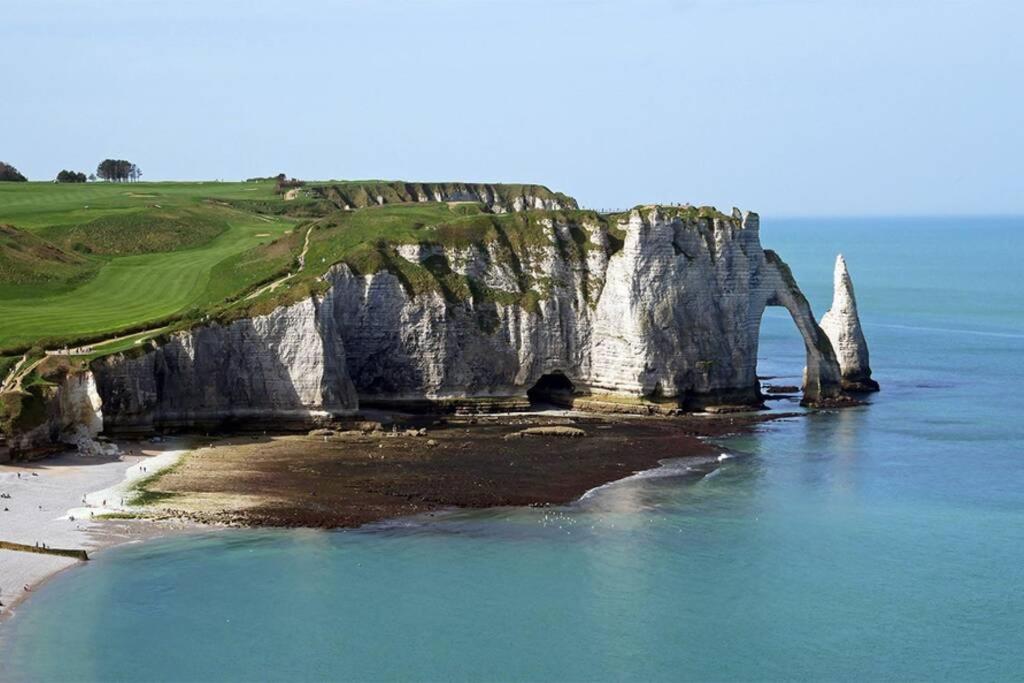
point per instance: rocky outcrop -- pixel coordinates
(283, 367)
(673, 314)
(496, 198)
(67, 412)
(842, 326)
(660, 306)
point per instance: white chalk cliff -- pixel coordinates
(842, 325)
(277, 368)
(664, 306)
(74, 417)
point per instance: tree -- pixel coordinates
(92, 177)
(8, 172)
(66, 176)
(118, 170)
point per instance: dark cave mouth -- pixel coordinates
(552, 389)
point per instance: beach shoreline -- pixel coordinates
(320, 480)
(48, 506)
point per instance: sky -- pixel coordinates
(787, 107)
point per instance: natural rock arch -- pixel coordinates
(822, 377)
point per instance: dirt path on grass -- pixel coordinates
(92, 348)
(18, 374)
(276, 283)
(13, 378)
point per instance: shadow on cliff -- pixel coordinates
(230, 375)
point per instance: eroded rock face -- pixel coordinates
(842, 325)
(74, 417)
(496, 198)
(667, 307)
(283, 366)
(674, 314)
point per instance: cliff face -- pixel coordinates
(673, 314)
(497, 198)
(662, 305)
(283, 366)
(73, 416)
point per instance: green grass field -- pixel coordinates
(126, 254)
(42, 204)
(85, 261)
(80, 263)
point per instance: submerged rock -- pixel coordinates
(548, 430)
(842, 325)
(781, 389)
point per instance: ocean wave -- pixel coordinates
(675, 468)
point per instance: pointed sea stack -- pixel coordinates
(842, 326)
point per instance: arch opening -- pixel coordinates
(781, 357)
(552, 389)
(820, 380)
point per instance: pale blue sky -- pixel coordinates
(786, 107)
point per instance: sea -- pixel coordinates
(882, 542)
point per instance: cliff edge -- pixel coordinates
(656, 309)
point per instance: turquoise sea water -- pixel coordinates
(882, 542)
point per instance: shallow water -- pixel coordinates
(879, 542)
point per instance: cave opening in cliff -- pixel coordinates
(553, 389)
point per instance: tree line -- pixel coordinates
(8, 172)
(113, 170)
(67, 176)
(118, 171)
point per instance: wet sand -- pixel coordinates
(350, 478)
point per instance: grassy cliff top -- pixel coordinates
(85, 262)
(81, 260)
